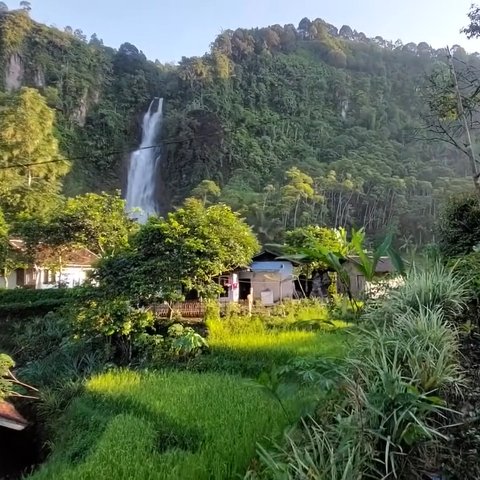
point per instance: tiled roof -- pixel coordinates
(10, 418)
(81, 257)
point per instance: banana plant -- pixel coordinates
(367, 264)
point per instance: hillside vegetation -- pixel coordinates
(296, 125)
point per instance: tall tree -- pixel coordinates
(206, 190)
(98, 222)
(24, 5)
(31, 166)
(473, 29)
(184, 251)
(299, 187)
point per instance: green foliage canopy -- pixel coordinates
(181, 252)
(459, 226)
(28, 143)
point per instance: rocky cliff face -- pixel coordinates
(14, 73)
(96, 91)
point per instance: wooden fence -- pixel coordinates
(193, 309)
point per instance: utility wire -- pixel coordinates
(168, 141)
(111, 152)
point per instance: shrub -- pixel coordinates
(387, 401)
(185, 342)
(459, 226)
(467, 268)
(109, 317)
(23, 303)
(112, 319)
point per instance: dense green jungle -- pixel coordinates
(295, 125)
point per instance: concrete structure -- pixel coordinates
(268, 279)
(76, 267)
(358, 284)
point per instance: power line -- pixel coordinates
(168, 141)
(111, 152)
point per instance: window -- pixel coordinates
(48, 277)
(30, 277)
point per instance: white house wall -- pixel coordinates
(11, 281)
(73, 276)
(274, 276)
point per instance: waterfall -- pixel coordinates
(143, 163)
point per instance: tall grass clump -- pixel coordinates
(424, 343)
(388, 403)
(434, 286)
(322, 454)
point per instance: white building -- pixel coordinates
(77, 264)
(270, 280)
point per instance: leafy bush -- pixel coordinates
(185, 342)
(459, 226)
(110, 317)
(6, 387)
(113, 319)
(23, 303)
(387, 402)
(467, 267)
(10, 386)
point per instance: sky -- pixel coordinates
(169, 29)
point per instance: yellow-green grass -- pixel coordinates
(247, 346)
(180, 424)
(170, 425)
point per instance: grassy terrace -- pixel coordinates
(179, 424)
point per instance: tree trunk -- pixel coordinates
(295, 214)
(461, 113)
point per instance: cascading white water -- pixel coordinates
(143, 163)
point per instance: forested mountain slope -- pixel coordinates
(296, 125)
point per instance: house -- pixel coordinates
(269, 279)
(77, 263)
(10, 418)
(358, 284)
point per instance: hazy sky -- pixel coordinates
(169, 29)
